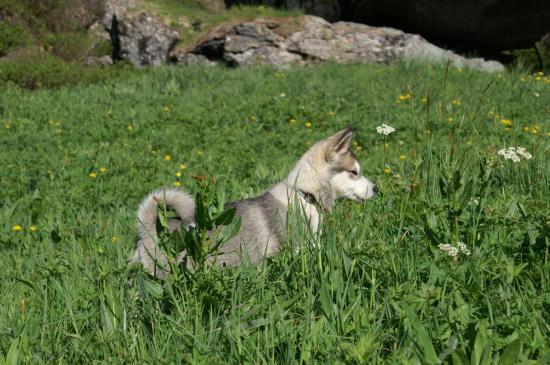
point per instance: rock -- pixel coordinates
(486, 26)
(316, 40)
(139, 38)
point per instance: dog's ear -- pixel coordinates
(342, 140)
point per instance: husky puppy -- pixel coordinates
(328, 171)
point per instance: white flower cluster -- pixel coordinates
(454, 251)
(515, 154)
(385, 129)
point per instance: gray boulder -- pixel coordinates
(316, 40)
(139, 38)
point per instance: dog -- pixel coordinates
(327, 172)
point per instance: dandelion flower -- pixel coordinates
(308, 125)
(16, 228)
(114, 239)
(103, 170)
(253, 118)
(385, 129)
(526, 129)
(92, 175)
(178, 174)
(33, 228)
(177, 184)
(402, 157)
(292, 121)
(387, 170)
(456, 102)
(183, 166)
(130, 127)
(506, 122)
(167, 157)
(405, 96)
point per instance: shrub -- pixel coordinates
(11, 36)
(52, 73)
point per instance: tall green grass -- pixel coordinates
(374, 287)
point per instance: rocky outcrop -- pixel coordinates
(487, 26)
(138, 37)
(316, 40)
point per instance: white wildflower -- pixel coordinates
(385, 129)
(474, 201)
(448, 249)
(463, 248)
(515, 154)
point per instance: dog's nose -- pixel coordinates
(375, 189)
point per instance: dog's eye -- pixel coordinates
(354, 172)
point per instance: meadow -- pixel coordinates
(450, 264)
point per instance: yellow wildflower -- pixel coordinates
(33, 228)
(526, 129)
(456, 102)
(177, 184)
(178, 174)
(547, 134)
(253, 118)
(405, 96)
(308, 125)
(387, 170)
(292, 121)
(167, 157)
(402, 157)
(16, 227)
(130, 127)
(103, 170)
(114, 239)
(450, 119)
(183, 166)
(424, 100)
(166, 109)
(7, 126)
(506, 122)
(92, 175)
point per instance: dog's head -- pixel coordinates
(343, 169)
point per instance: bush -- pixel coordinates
(52, 73)
(11, 36)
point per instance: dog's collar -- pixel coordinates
(308, 197)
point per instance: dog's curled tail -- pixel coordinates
(147, 249)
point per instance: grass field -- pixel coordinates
(375, 288)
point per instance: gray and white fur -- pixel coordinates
(328, 171)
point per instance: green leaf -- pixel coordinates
(226, 217)
(421, 338)
(12, 358)
(153, 288)
(511, 353)
(482, 345)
